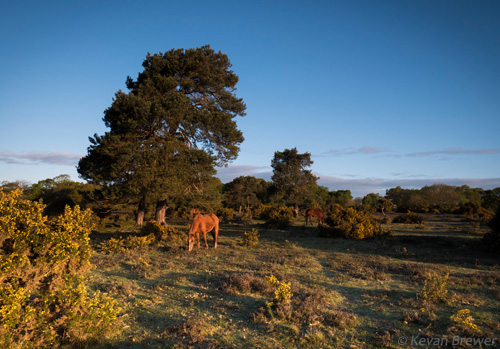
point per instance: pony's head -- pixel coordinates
(194, 211)
(190, 241)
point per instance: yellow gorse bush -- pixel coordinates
(166, 234)
(350, 224)
(280, 217)
(113, 246)
(282, 290)
(465, 321)
(434, 289)
(129, 243)
(250, 239)
(43, 300)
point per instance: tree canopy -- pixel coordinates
(292, 180)
(245, 191)
(170, 130)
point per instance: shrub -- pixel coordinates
(340, 319)
(476, 212)
(309, 308)
(160, 232)
(225, 214)
(246, 216)
(129, 243)
(351, 224)
(263, 211)
(280, 217)
(465, 322)
(250, 239)
(282, 290)
(434, 288)
(386, 220)
(408, 218)
(113, 246)
(138, 242)
(491, 240)
(244, 283)
(43, 300)
(282, 296)
(153, 227)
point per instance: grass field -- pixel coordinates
(399, 293)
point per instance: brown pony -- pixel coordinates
(314, 212)
(203, 224)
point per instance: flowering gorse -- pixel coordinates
(43, 300)
(465, 322)
(434, 288)
(280, 217)
(129, 243)
(351, 224)
(282, 290)
(250, 239)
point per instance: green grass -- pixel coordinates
(356, 294)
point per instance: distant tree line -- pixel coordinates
(442, 198)
(292, 188)
(248, 193)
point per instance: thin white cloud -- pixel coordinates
(368, 150)
(51, 158)
(352, 151)
(457, 151)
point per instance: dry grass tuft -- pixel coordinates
(244, 283)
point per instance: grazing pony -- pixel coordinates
(203, 224)
(314, 212)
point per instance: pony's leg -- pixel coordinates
(205, 238)
(198, 238)
(216, 235)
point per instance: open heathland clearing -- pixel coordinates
(431, 282)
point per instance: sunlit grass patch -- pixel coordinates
(345, 293)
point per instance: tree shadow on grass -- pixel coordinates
(189, 314)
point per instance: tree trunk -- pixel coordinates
(161, 209)
(141, 211)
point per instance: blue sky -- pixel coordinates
(381, 93)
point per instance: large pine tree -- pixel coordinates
(170, 130)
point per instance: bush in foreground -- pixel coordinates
(43, 299)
